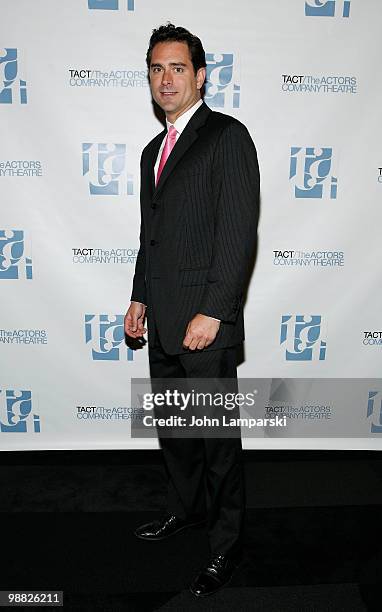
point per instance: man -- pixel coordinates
(199, 213)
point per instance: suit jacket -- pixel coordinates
(198, 230)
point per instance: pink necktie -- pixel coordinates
(168, 147)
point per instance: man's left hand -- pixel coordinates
(201, 332)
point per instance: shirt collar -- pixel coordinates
(182, 121)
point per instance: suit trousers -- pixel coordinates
(205, 474)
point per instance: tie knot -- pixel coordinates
(172, 133)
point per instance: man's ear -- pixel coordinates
(200, 77)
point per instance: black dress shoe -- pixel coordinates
(164, 528)
(217, 573)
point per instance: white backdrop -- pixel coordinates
(75, 112)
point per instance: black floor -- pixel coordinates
(313, 533)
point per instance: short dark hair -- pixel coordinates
(170, 33)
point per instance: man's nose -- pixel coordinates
(167, 77)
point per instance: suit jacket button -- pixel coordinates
(153, 205)
(153, 242)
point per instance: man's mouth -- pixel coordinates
(167, 93)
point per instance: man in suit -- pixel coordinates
(199, 214)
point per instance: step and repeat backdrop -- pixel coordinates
(76, 112)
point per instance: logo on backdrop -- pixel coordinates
(374, 411)
(105, 334)
(14, 262)
(16, 412)
(309, 83)
(13, 89)
(310, 172)
(299, 411)
(106, 166)
(104, 256)
(327, 8)
(379, 175)
(23, 336)
(83, 77)
(20, 167)
(302, 338)
(372, 338)
(109, 413)
(222, 89)
(293, 258)
(111, 5)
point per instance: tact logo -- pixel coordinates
(14, 264)
(222, 90)
(327, 8)
(372, 338)
(310, 172)
(374, 408)
(321, 258)
(105, 334)
(110, 5)
(11, 86)
(105, 165)
(301, 336)
(319, 83)
(23, 336)
(20, 167)
(87, 255)
(128, 77)
(16, 412)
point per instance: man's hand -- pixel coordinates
(134, 319)
(201, 332)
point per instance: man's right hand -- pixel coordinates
(134, 319)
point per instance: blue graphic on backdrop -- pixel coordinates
(326, 8)
(9, 68)
(105, 164)
(374, 407)
(302, 338)
(111, 5)
(221, 91)
(16, 412)
(309, 172)
(106, 336)
(13, 262)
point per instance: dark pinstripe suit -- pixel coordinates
(198, 230)
(197, 242)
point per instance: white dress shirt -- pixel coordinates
(179, 125)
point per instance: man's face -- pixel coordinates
(174, 84)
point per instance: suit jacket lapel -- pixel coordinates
(184, 142)
(153, 157)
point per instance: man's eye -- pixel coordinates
(178, 69)
(156, 69)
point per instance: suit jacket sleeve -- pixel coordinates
(236, 185)
(139, 293)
